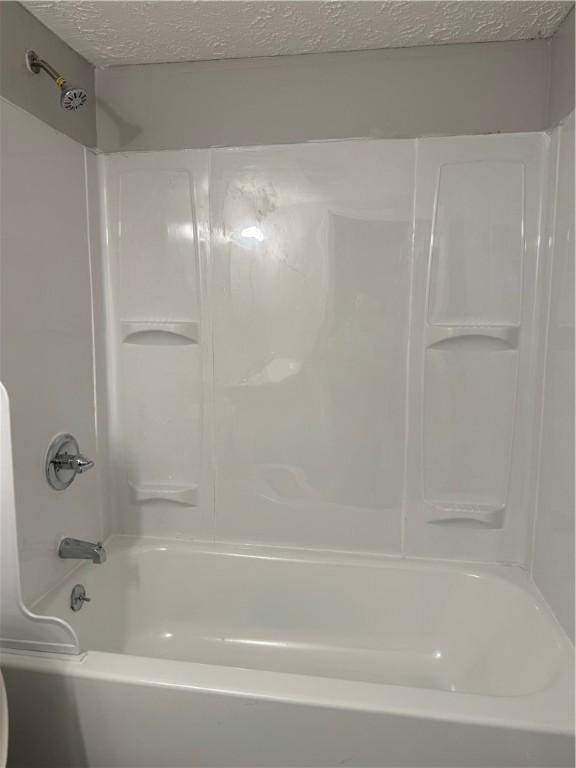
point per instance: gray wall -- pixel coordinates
(19, 30)
(451, 89)
(562, 71)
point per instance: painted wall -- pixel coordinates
(37, 94)
(46, 327)
(287, 323)
(562, 71)
(553, 567)
(436, 90)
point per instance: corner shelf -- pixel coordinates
(184, 495)
(480, 337)
(465, 514)
(160, 332)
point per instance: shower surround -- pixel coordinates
(323, 365)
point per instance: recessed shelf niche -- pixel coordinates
(481, 338)
(160, 332)
(184, 495)
(476, 249)
(463, 514)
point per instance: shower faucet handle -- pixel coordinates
(77, 463)
(64, 461)
(82, 463)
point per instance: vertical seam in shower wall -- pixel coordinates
(548, 227)
(96, 412)
(110, 343)
(210, 314)
(539, 311)
(407, 364)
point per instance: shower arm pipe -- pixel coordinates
(35, 64)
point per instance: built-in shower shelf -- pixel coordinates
(186, 496)
(160, 333)
(473, 337)
(465, 514)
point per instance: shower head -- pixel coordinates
(72, 97)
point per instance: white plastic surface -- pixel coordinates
(159, 333)
(160, 434)
(203, 715)
(402, 623)
(186, 496)
(20, 628)
(4, 723)
(472, 368)
(311, 250)
(553, 568)
(302, 659)
(46, 343)
(361, 303)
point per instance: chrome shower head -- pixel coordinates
(72, 97)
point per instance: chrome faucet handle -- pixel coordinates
(68, 461)
(64, 461)
(81, 463)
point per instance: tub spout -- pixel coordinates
(77, 549)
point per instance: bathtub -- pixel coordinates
(206, 655)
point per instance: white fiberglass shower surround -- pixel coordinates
(320, 418)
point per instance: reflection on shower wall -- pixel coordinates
(328, 345)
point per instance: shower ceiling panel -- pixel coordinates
(114, 33)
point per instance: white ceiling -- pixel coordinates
(111, 33)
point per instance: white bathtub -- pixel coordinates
(250, 656)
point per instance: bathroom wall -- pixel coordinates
(561, 90)
(46, 336)
(328, 345)
(553, 567)
(397, 93)
(37, 94)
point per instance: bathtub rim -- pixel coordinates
(548, 711)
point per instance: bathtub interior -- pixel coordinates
(376, 620)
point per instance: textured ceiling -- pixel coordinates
(111, 33)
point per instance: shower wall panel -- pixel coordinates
(553, 569)
(472, 374)
(156, 227)
(329, 345)
(46, 336)
(311, 252)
